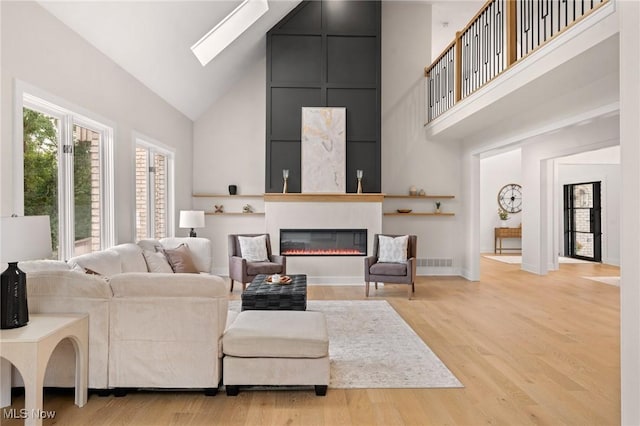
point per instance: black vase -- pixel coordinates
(233, 189)
(13, 303)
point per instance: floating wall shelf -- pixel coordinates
(235, 214)
(417, 197)
(418, 214)
(228, 196)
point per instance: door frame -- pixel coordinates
(595, 220)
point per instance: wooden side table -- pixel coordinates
(501, 233)
(28, 348)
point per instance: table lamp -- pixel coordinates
(21, 238)
(192, 219)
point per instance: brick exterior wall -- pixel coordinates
(92, 243)
(159, 194)
(142, 175)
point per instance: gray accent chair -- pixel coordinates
(396, 273)
(244, 272)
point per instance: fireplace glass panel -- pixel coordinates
(323, 242)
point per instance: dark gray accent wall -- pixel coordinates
(325, 53)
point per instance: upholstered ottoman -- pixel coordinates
(276, 348)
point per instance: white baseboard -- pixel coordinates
(358, 280)
(613, 262)
(335, 281)
(530, 268)
(437, 272)
(466, 274)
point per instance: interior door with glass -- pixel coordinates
(582, 221)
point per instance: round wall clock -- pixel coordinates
(510, 198)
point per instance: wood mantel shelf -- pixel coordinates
(324, 198)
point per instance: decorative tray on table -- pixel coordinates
(284, 279)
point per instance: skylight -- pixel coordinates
(227, 30)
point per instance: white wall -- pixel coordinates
(408, 158)
(39, 50)
(229, 139)
(630, 222)
(448, 17)
(496, 172)
(229, 148)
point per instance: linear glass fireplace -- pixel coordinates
(323, 242)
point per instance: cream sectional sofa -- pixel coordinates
(149, 330)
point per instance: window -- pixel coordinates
(154, 190)
(67, 174)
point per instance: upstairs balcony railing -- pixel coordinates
(502, 33)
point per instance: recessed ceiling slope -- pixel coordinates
(229, 29)
(152, 40)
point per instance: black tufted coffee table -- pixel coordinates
(261, 295)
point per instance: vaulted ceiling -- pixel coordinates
(151, 40)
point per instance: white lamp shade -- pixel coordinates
(25, 238)
(192, 219)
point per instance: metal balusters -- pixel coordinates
(540, 20)
(483, 47)
(441, 84)
(503, 32)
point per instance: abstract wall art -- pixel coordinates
(323, 150)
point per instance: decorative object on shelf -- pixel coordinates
(21, 238)
(359, 174)
(504, 216)
(285, 178)
(233, 189)
(192, 219)
(404, 210)
(422, 193)
(219, 208)
(438, 206)
(413, 190)
(247, 209)
(510, 198)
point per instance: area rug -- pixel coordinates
(371, 346)
(615, 281)
(518, 259)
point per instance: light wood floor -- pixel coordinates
(528, 349)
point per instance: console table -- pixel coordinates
(501, 233)
(28, 348)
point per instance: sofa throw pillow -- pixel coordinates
(156, 261)
(150, 244)
(393, 249)
(180, 259)
(254, 249)
(90, 271)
